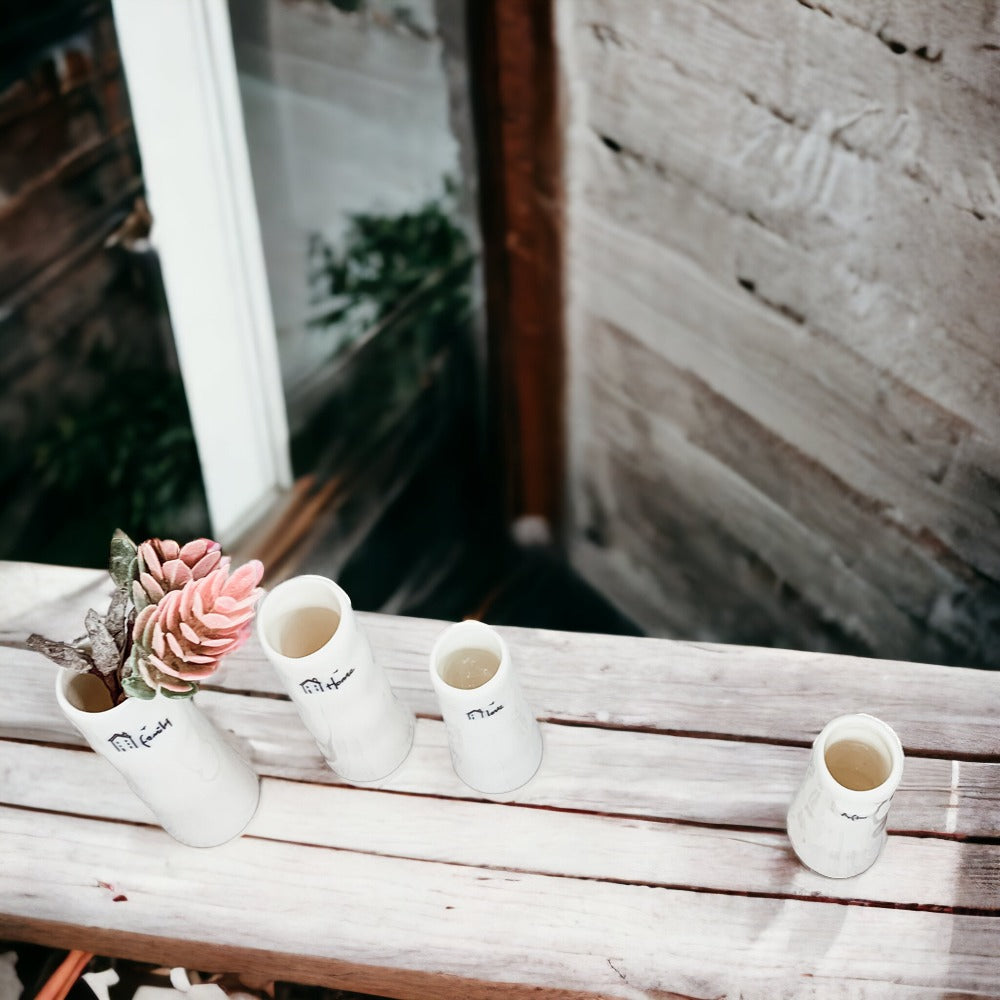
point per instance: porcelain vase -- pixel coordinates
(201, 791)
(837, 831)
(343, 697)
(494, 738)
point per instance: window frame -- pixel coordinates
(183, 88)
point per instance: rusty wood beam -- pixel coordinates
(513, 44)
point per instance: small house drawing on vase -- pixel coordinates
(311, 685)
(122, 742)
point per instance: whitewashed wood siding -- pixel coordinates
(783, 319)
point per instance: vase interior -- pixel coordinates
(298, 604)
(86, 693)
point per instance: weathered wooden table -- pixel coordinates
(647, 858)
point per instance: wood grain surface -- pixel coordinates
(783, 222)
(647, 858)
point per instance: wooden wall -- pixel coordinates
(783, 319)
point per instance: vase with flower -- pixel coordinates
(127, 686)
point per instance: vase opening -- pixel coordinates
(860, 753)
(86, 693)
(478, 649)
(301, 616)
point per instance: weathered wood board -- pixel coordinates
(783, 302)
(619, 940)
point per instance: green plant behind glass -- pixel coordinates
(399, 293)
(385, 259)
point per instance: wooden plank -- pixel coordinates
(823, 408)
(505, 837)
(71, 262)
(799, 183)
(52, 212)
(79, 160)
(733, 592)
(815, 282)
(758, 198)
(663, 551)
(683, 687)
(913, 116)
(39, 596)
(895, 591)
(895, 561)
(956, 37)
(24, 103)
(823, 282)
(584, 768)
(268, 900)
(684, 483)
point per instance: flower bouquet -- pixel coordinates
(175, 613)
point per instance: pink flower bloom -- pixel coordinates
(164, 566)
(181, 639)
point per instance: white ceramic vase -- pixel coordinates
(201, 791)
(837, 831)
(342, 695)
(494, 738)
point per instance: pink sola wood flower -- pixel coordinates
(165, 566)
(181, 639)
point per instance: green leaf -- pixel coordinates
(122, 565)
(179, 694)
(61, 652)
(135, 687)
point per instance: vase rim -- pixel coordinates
(64, 678)
(480, 636)
(283, 600)
(868, 728)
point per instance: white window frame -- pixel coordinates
(183, 88)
